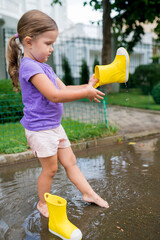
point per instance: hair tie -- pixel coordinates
(16, 35)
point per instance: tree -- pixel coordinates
(84, 73)
(106, 47)
(129, 19)
(104, 5)
(67, 77)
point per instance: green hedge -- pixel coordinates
(6, 86)
(84, 72)
(156, 93)
(11, 106)
(146, 77)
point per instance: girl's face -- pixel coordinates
(41, 47)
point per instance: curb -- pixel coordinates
(157, 112)
(10, 159)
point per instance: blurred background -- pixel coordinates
(89, 34)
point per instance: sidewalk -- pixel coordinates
(132, 124)
(132, 120)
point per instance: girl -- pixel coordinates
(43, 94)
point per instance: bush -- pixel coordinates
(156, 93)
(147, 76)
(67, 77)
(129, 84)
(96, 62)
(6, 86)
(84, 73)
(11, 107)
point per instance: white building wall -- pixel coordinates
(12, 10)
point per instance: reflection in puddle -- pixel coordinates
(146, 149)
(32, 225)
(127, 176)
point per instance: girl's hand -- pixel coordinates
(94, 94)
(93, 80)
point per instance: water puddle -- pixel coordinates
(127, 176)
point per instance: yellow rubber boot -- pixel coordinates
(59, 224)
(116, 72)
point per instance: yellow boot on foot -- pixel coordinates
(59, 224)
(116, 72)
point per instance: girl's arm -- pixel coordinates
(61, 85)
(47, 88)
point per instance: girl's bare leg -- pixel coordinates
(49, 169)
(68, 160)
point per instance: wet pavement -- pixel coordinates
(128, 120)
(131, 120)
(127, 176)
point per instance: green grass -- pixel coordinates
(12, 136)
(13, 140)
(6, 86)
(133, 98)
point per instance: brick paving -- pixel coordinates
(131, 120)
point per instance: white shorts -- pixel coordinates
(46, 143)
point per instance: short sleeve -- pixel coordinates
(54, 74)
(29, 69)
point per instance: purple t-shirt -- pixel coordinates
(39, 112)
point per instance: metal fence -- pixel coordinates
(77, 117)
(76, 114)
(75, 49)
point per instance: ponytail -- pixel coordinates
(32, 24)
(14, 54)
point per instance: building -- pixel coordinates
(75, 41)
(12, 10)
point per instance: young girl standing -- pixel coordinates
(43, 94)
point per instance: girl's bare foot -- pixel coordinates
(43, 209)
(95, 198)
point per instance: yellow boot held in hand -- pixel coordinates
(59, 224)
(116, 72)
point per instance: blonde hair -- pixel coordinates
(31, 24)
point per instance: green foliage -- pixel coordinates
(155, 59)
(56, 1)
(85, 131)
(15, 140)
(12, 138)
(128, 18)
(11, 106)
(130, 83)
(133, 98)
(93, 3)
(147, 76)
(6, 86)
(156, 93)
(96, 62)
(130, 14)
(157, 30)
(84, 72)
(67, 77)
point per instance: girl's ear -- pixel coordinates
(28, 41)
